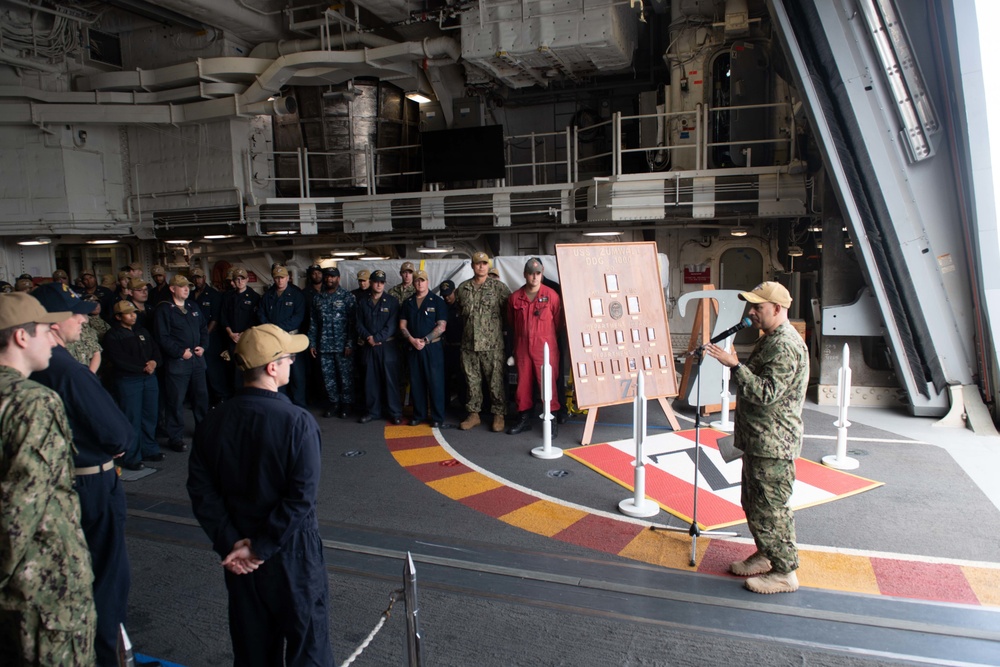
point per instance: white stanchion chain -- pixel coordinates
(378, 626)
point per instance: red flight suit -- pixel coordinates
(534, 324)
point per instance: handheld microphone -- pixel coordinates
(739, 326)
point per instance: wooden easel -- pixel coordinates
(701, 333)
(588, 429)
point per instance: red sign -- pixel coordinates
(697, 274)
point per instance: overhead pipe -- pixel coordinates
(400, 58)
(284, 47)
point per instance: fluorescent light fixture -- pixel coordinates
(417, 97)
(739, 230)
(848, 244)
(41, 240)
(794, 251)
(816, 227)
(608, 233)
(348, 252)
(219, 237)
(177, 241)
(103, 242)
(819, 245)
(283, 232)
(372, 258)
(431, 247)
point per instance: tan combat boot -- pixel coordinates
(773, 582)
(498, 423)
(756, 564)
(470, 422)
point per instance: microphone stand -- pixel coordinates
(694, 530)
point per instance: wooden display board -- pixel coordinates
(616, 322)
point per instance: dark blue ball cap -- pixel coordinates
(57, 297)
(446, 288)
(331, 271)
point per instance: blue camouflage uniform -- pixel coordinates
(426, 365)
(287, 311)
(380, 320)
(177, 330)
(331, 334)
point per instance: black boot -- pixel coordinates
(523, 424)
(331, 410)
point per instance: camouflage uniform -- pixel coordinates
(482, 309)
(84, 349)
(403, 292)
(771, 389)
(47, 612)
(331, 332)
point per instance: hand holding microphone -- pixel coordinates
(725, 357)
(739, 326)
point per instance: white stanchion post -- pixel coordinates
(724, 423)
(638, 505)
(546, 451)
(840, 460)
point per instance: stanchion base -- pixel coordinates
(727, 427)
(846, 463)
(552, 453)
(647, 508)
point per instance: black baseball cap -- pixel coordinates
(446, 288)
(57, 297)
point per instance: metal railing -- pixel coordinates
(541, 158)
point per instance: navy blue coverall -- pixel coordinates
(426, 365)
(253, 474)
(287, 312)
(380, 320)
(239, 313)
(210, 302)
(100, 431)
(177, 331)
(128, 351)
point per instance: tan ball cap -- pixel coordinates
(480, 257)
(123, 307)
(260, 345)
(768, 292)
(18, 308)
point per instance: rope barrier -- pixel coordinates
(378, 626)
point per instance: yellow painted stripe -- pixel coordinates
(837, 572)
(413, 457)
(464, 485)
(664, 548)
(393, 432)
(544, 517)
(985, 583)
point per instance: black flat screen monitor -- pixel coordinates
(463, 154)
